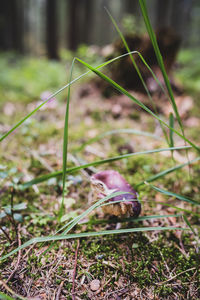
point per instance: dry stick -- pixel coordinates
(6, 234)
(18, 259)
(12, 219)
(41, 160)
(27, 252)
(160, 283)
(74, 273)
(101, 288)
(10, 290)
(59, 290)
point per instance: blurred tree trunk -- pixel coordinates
(51, 29)
(162, 12)
(5, 26)
(73, 6)
(11, 26)
(87, 21)
(131, 6)
(177, 18)
(18, 25)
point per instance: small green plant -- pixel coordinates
(11, 214)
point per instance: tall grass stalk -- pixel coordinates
(161, 63)
(159, 59)
(65, 144)
(138, 72)
(125, 92)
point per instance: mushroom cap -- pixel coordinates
(114, 181)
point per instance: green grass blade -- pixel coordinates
(5, 297)
(95, 163)
(196, 236)
(76, 220)
(131, 219)
(116, 131)
(55, 94)
(39, 106)
(137, 70)
(123, 91)
(189, 225)
(171, 124)
(179, 209)
(116, 86)
(167, 171)
(171, 194)
(159, 59)
(65, 145)
(87, 234)
(66, 86)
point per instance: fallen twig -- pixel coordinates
(173, 277)
(11, 291)
(19, 256)
(6, 234)
(74, 273)
(59, 290)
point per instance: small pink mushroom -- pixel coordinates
(106, 182)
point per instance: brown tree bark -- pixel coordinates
(11, 26)
(51, 29)
(162, 13)
(73, 24)
(87, 21)
(131, 6)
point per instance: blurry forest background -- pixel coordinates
(44, 27)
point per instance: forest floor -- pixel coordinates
(141, 265)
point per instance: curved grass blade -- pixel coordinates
(189, 225)
(66, 86)
(56, 93)
(161, 65)
(171, 124)
(138, 71)
(5, 297)
(87, 234)
(123, 91)
(159, 59)
(117, 87)
(116, 131)
(165, 172)
(179, 209)
(196, 236)
(39, 106)
(95, 163)
(75, 221)
(131, 219)
(65, 145)
(171, 194)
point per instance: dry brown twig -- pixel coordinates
(74, 273)
(8, 289)
(173, 277)
(59, 290)
(19, 256)
(6, 234)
